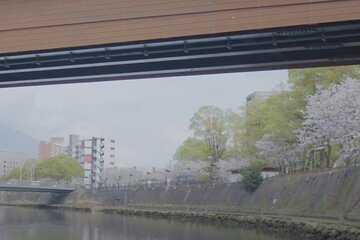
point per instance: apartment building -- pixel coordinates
(52, 148)
(10, 160)
(90, 154)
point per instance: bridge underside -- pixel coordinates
(278, 48)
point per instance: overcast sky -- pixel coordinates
(148, 118)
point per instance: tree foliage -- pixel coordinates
(285, 156)
(235, 131)
(214, 137)
(305, 82)
(22, 172)
(252, 178)
(268, 129)
(332, 117)
(209, 125)
(59, 167)
(253, 124)
(271, 124)
(310, 124)
(192, 149)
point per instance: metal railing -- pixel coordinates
(34, 184)
(118, 186)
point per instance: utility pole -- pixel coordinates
(166, 174)
(31, 171)
(129, 180)
(20, 174)
(147, 179)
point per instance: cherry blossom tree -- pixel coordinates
(332, 118)
(284, 155)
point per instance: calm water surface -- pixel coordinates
(38, 224)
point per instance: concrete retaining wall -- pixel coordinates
(332, 194)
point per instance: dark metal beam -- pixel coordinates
(281, 48)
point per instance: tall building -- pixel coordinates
(90, 154)
(94, 154)
(52, 148)
(10, 160)
(74, 141)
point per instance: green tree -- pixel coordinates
(59, 167)
(252, 125)
(24, 171)
(305, 82)
(252, 176)
(192, 149)
(211, 140)
(235, 131)
(281, 114)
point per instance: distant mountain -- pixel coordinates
(16, 141)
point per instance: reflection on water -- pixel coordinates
(37, 224)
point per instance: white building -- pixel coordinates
(10, 160)
(94, 154)
(110, 158)
(90, 154)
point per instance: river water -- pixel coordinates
(42, 224)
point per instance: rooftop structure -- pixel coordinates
(263, 95)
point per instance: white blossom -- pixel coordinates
(279, 154)
(332, 116)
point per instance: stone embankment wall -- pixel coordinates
(332, 194)
(306, 229)
(326, 194)
(322, 205)
(25, 198)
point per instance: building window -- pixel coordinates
(112, 141)
(112, 148)
(112, 155)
